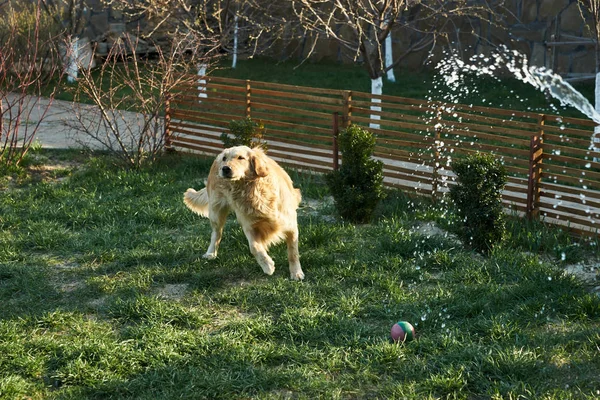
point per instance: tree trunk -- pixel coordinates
(389, 58)
(72, 57)
(235, 42)
(596, 135)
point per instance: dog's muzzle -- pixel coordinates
(226, 172)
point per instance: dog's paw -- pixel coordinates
(210, 256)
(268, 268)
(297, 276)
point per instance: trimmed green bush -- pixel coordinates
(245, 132)
(478, 198)
(357, 187)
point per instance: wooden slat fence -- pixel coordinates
(553, 174)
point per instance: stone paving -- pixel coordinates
(60, 119)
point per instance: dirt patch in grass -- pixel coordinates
(173, 291)
(98, 303)
(50, 172)
(51, 169)
(40, 169)
(587, 271)
(429, 229)
(317, 208)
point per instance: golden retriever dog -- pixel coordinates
(261, 194)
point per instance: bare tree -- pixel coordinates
(368, 23)
(257, 24)
(71, 15)
(29, 69)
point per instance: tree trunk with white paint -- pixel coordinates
(389, 58)
(376, 89)
(597, 97)
(73, 57)
(235, 43)
(596, 135)
(202, 81)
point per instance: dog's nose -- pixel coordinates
(226, 171)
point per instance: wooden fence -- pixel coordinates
(553, 174)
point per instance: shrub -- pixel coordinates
(27, 60)
(246, 132)
(130, 93)
(478, 198)
(357, 187)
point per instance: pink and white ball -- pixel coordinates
(402, 331)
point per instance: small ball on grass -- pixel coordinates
(402, 331)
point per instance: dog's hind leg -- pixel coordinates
(293, 255)
(217, 217)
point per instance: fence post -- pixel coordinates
(248, 103)
(167, 133)
(347, 117)
(336, 129)
(534, 180)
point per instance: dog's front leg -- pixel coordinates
(293, 256)
(259, 252)
(217, 222)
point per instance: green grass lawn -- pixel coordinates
(105, 294)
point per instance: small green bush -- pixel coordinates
(357, 187)
(246, 132)
(478, 198)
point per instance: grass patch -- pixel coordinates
(105, 295)
(507, 93)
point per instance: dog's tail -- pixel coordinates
(197, 201)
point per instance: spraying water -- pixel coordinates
(453, 73)
(453, 69)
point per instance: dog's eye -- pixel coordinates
(241, 158)
(224, 158)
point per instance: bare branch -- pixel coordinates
(27, 60)
(368, 23)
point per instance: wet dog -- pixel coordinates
(263, 198)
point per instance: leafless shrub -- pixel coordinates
(29, 69)
(128, 95)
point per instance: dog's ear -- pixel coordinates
(258, 163)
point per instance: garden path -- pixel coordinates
(59, 121)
